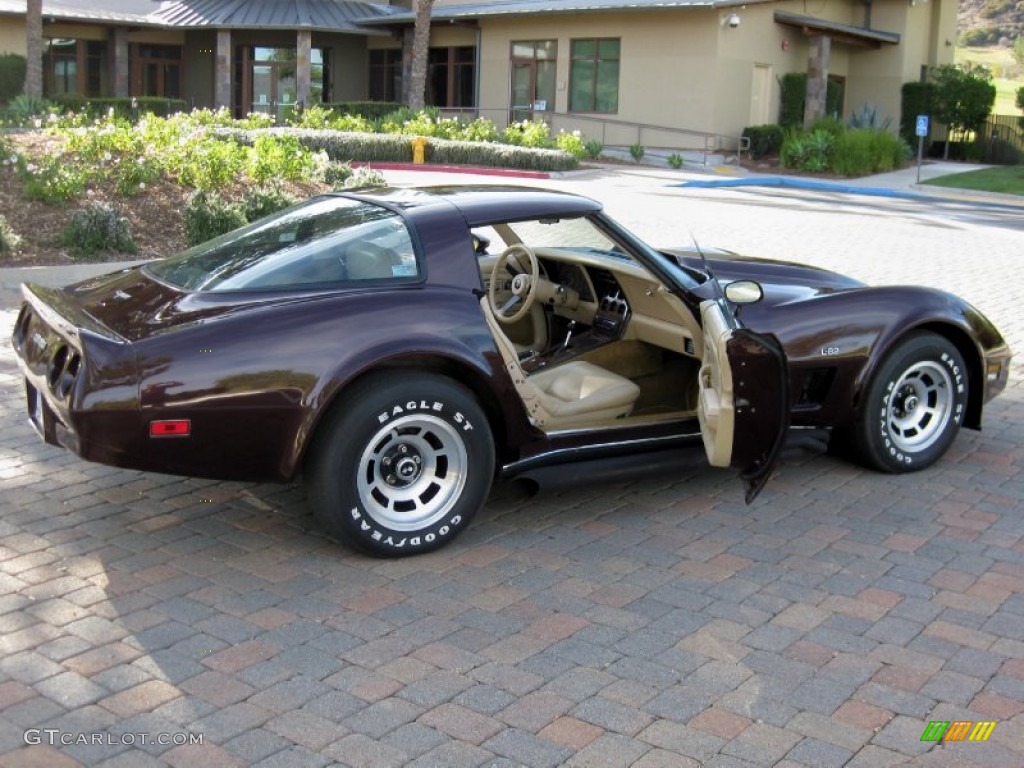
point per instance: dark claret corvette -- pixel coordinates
(402, 347)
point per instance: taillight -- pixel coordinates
(170, 428)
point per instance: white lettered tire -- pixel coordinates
(914, 405)
(402, 466)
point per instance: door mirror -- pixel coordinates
(744, 292)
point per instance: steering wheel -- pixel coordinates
(524, 286)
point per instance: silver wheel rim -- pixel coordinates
(412, 472)
(920, 407)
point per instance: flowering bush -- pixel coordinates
(527, 133)
(53, 179)
(98, 228)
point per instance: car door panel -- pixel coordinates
(743, 397)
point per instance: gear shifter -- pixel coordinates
(568, 335)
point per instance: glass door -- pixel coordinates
(533, 78)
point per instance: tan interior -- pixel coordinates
(573, 394)
(659, 351)
(715, 409)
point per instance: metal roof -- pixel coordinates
(530, 7)
(132, 11)
(847, 32)
(327, 15)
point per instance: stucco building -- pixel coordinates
(697, 66)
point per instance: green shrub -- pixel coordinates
(278, 157)
(264, 201)
(979, 36)
(527, 133)
(371, 110)
(765, 140)
(391, 148)
(364, 177)
(916, 99)
(868, 117)
(336, 173)
(807, 151)
(12, 76)
(571, 143)
(23, 110)
(98, 228)
(134, 173)
(208, 215)
(675, 160)
(211, 163)
(52, 179)
(592, 149)
(637, 152)
(10, 241)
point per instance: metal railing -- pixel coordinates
(613, 132)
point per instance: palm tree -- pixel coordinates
(34, 49)
(416, 94)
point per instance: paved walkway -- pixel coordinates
(656, 622)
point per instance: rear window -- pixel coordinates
(324, 241)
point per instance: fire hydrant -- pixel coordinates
(419, 149)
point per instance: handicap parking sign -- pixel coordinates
(922, 126)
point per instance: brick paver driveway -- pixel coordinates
(649, 623)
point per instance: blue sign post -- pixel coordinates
(920, 130)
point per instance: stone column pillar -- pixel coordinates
(303, 57)
(122, 71)
(819, 51)
(222, 70)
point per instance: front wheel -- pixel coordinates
(403, 466)
(914, 405)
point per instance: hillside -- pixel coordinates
(989, 22)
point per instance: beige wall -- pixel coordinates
(12, 35)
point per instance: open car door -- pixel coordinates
(744, 397)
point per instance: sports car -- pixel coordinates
(402, 348)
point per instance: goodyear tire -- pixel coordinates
(403, 466)
(915, 405)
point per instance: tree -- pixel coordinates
(1018, 49)
(34, 49)
(963, 98)
(1020, 104)
(416, 94)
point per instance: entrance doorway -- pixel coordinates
(533, 78)
(270, 81)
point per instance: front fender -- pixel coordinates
(845, 336)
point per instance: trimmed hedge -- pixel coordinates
(794, 96)
(122, 105)
(12, 76)
(371, 110)
(764, 140)
(342, 146)
(917, 99)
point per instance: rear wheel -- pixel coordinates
(914, 406)
(403, 466)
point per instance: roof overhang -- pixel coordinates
(470, 11)
(840, 33)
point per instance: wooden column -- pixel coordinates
(819, 51)
(122, 78)
(303, 66)
(222, 70)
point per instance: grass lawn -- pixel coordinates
(1009, 75)
(1008, 179)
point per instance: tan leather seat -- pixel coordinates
(573, 394)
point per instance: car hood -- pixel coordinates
(782, 281)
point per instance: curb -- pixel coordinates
(468, 169)
(849, 189)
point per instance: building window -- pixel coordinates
(386, 75)
(451, 77)
(74, 66)
(533, 77)
(158, 71)
(594, 77)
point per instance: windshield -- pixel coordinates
(326, 240)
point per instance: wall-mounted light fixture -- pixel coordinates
(731, 20)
